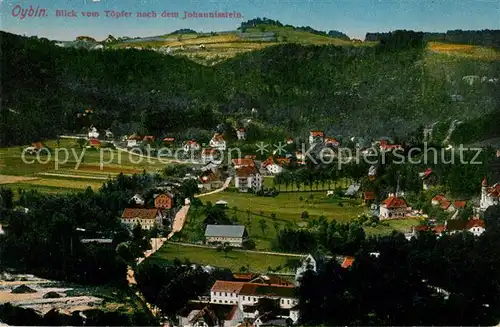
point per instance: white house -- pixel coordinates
(490, 196)
(393, 208)
(271, 166)
(147, 218)
(93, 134)
(248, 178)
(218, 142)
(241, 134)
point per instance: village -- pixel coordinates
(266, 298)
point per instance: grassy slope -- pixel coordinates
(233, 260)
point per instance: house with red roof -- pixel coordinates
(271, 166)
(247, 178)
(147, 218)
(316, 136)
(447, 205)
(394, 207)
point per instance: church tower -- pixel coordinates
(484, 194)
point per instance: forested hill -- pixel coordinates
(343, 90)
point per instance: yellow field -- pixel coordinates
(465, 50)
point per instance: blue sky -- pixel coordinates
(353, 17)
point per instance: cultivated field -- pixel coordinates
(65, 175)
(465, 50)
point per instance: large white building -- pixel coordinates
(490, 196)
(147, 218)
(235, 235)
(246, 296)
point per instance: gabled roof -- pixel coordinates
(394, 202)
(149, 138)
(445, 204)
(224, 231)
(317, 133)
(348, 261)
(439, 198)
(331, 140)
(134, 137)
(168, 139)
(95, 142)
(243, 162)
(132, 213)
(475, 223)
(369, 195)
(227, 287)
(460, 204)
(246, 171)
(218, 137)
